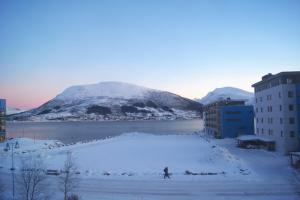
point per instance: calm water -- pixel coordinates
(68, 132)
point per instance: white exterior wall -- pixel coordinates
(291, 143)
(280, 131)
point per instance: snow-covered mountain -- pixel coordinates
(227, 92)
(11, 110)
(113, 101)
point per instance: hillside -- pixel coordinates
(227, 92)
(113, 101)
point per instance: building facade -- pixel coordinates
(2, 119)
(228, 119)
(277, 109)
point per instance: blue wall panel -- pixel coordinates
(2, 104)
(298, 107)
(236, 120)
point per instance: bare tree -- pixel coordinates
(73, 197)
(69, 180)
(31, 178)
(2, 188)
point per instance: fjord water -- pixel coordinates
(69, 132)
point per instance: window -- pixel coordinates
(256, 110)
(261, 109)
(281, 133)
(290, 94)
(257, 120)
(262, 131)
(292, 133)
(289, 81)
(269, 108)
(270, 132)
(260, 98)
(233, 112)
(270, 120)
(292, 120)
(291, 107)
(281, 120)
(256, 100)
(280, 107)
(257, 130)
(279, 94)
(233, 120)
(269, 97)
(262, 120)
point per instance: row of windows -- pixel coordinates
(233, 112)
(270, 120)
(271, 132)
(232, 120)
(290, 94)
(291, 107)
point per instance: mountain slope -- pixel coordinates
(104, 89)
(11, 110)
(227, 92)
(113, 101)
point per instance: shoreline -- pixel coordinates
(110, 120)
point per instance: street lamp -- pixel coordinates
(12, 145)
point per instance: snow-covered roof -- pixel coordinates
(254, 137)
(295, 153)
(247, 137)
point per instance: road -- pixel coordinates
(170, 189)
(96, 188)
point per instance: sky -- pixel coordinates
(186, 47)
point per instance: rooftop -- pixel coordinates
(228, 101)
(269, 77)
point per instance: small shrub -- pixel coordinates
(73, 197)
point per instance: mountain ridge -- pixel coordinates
(227, 92)
(113, 101)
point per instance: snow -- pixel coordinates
(135, 162)
(11, 110)
(75, 103)
(227, 92)
(139, 154)
(103, 89)
(254, 137)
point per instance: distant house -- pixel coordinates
(277, 109)
(228, 118)
(2, 118)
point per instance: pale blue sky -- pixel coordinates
(186, 47)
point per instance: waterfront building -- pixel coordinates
(277, 109)
(228, 118)
(2, 119)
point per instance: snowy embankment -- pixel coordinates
(137, 155)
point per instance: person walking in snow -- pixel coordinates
(166, 173)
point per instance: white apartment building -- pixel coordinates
(277, 109)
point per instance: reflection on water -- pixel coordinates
(68, 132)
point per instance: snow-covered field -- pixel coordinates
(138, 160)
